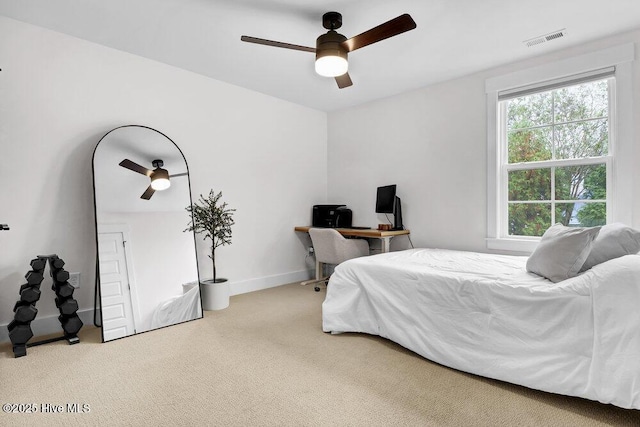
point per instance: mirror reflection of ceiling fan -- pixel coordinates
(159, 177)
(332, 48)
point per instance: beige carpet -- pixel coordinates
(265, 361)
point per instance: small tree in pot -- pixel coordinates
(213, 219)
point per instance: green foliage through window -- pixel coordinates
(557, 127)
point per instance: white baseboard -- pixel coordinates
(51, 325)
(47, 325)
(251, 285)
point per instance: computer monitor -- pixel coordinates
(385, 199)
(388, 203)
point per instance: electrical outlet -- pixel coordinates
(74, 280)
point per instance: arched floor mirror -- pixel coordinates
(147, 274)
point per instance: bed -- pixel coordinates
(485, 314)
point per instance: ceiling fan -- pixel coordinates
(159, 177)
(332, 48)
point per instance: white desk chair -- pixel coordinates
(331, 247)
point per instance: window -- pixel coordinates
(560, 147)
(556, 155)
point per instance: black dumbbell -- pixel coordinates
(24, 313)
(71, 325)
(33, 277)
(38, 264)
(19, 333)
(64, 290)
(67, 306)
(27, 286)
(29, 294)
(55, 262)
(60, 275)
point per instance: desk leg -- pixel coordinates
(385, 243)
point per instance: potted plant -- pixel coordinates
(213, 219)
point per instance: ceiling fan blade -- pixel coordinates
(126, 163)
(383, 31)
(277, 44)
(344, 81)
(179, 174)
(148, 193)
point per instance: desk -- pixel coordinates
(368, 233)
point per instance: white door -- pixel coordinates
(117, 313)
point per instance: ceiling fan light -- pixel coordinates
(331, 56)
(331, 66)
(160, 180)
(160, 184)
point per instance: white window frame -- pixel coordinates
(620, 167)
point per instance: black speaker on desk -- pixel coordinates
(333, 216)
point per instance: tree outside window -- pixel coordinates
(556, 168)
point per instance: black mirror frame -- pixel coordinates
(97, 302)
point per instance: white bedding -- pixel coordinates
(178, 309)
(484, 314)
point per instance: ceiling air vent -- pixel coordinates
(545, 38)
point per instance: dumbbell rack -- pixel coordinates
(25, 309)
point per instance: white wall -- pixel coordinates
(432, 143)
(59, 95)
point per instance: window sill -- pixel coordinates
(522, 246)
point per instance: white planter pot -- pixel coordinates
(215, 296)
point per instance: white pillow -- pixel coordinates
(562, 251)
(615, 240)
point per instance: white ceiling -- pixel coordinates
(453, 38)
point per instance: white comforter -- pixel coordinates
(484, 314)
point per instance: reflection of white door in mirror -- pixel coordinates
(117, 312)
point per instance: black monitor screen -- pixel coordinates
(385, 199)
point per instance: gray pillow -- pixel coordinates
(615, 240)
(562, 251)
